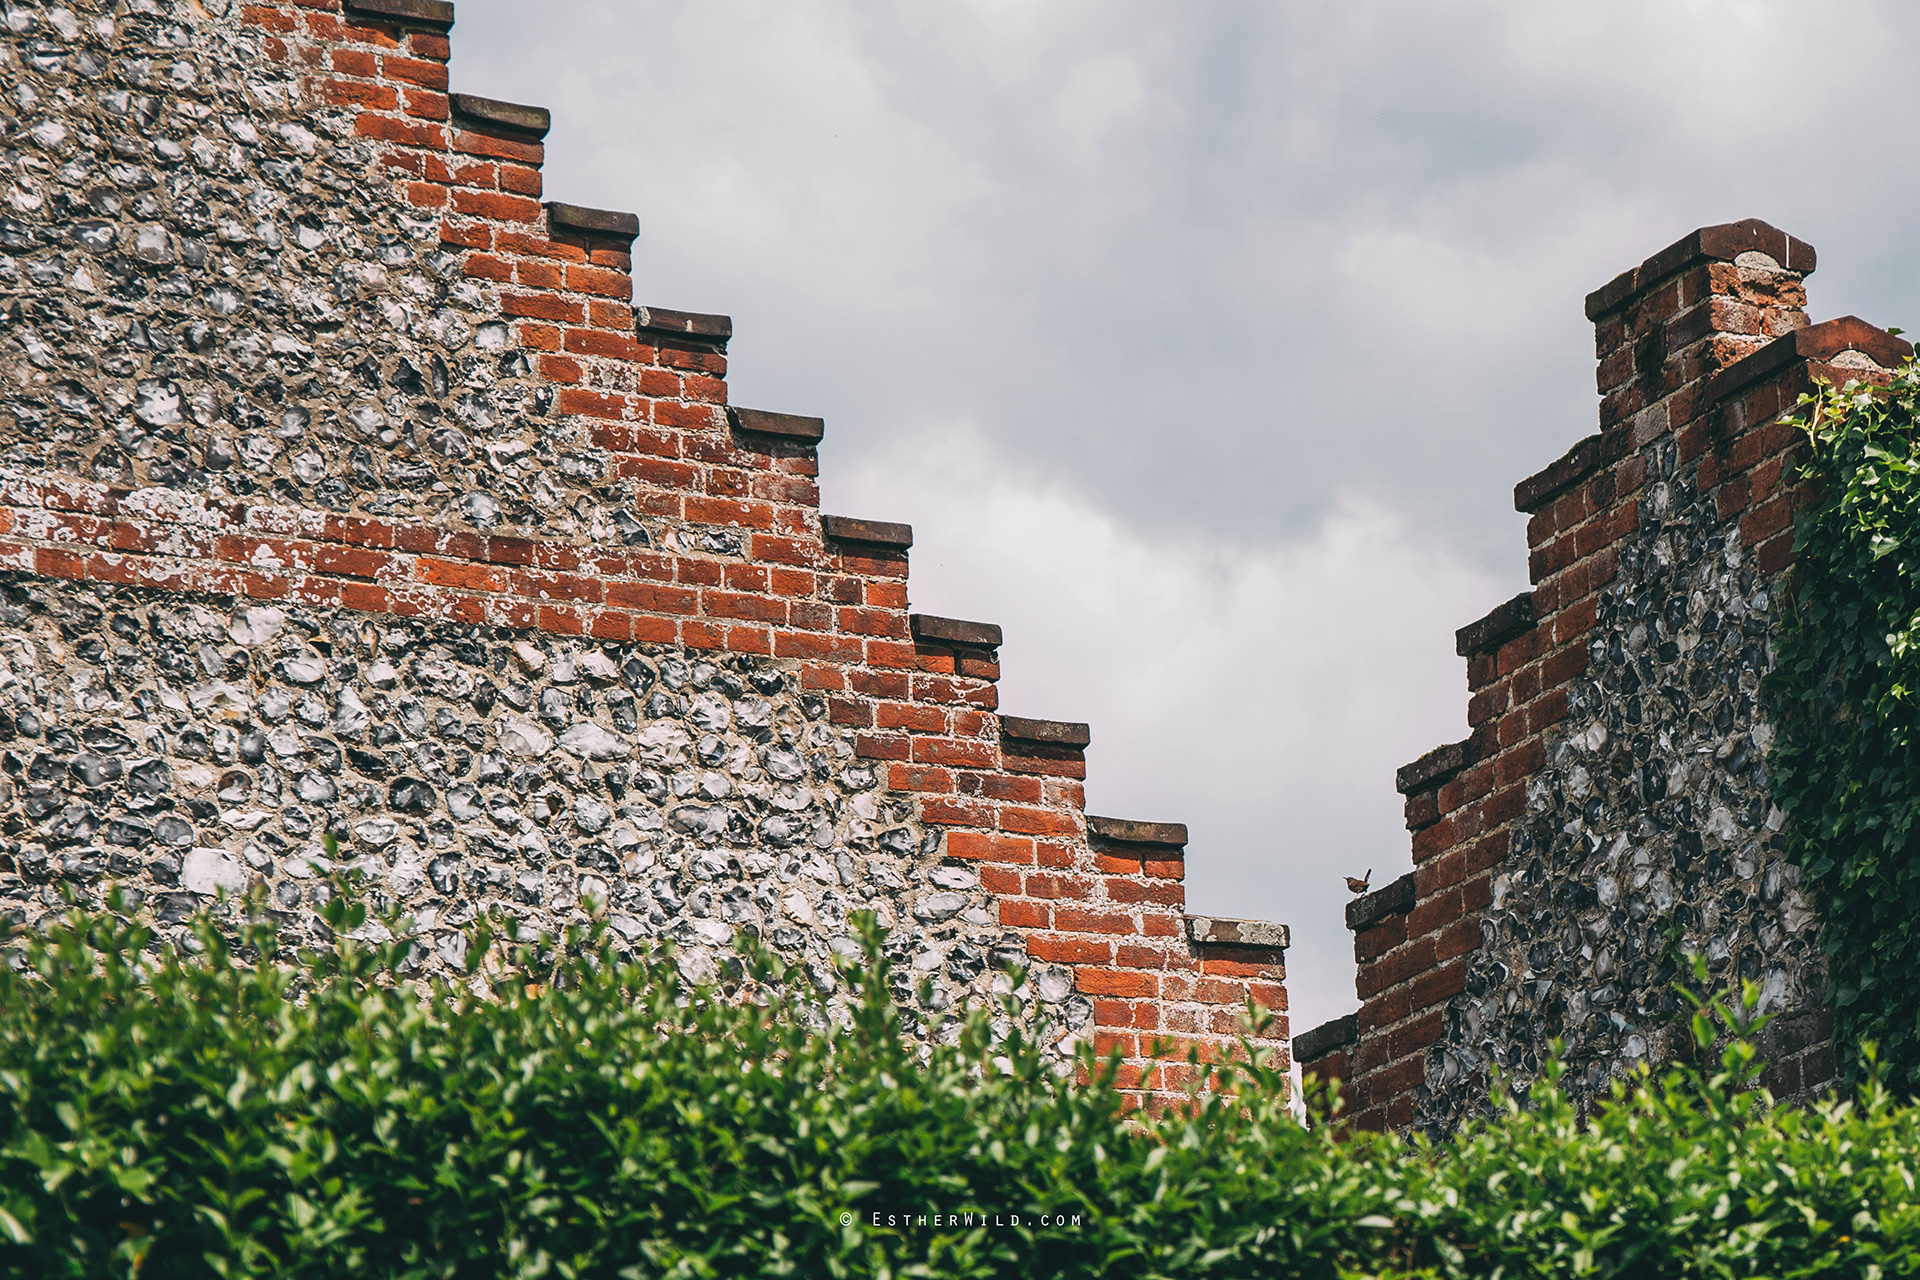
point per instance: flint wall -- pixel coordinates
(343, 487)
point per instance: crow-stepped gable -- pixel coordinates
(343, 488)
(1608, 818)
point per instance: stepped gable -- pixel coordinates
(344, 488)
(1608, 816)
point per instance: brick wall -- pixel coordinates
(1607, 816)
(427, 400)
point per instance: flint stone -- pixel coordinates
(590, 815)
(411, 795)
(376, 832)
(522, 737)
(256, 626)
(95, 771)
(173, 830)
(209, 871)
(591, 742)
(304, 670)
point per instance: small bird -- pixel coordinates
(1359, 884)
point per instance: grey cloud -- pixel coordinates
(1209, 268)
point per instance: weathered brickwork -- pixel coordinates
(1609, 817)
(344, 488)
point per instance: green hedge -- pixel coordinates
(169, 1114)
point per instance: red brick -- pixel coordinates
(1002, 881)
(1038, 822)
(480, 144)
(354, 62)
(597, 342)
(347, 93)
(1221, 991)
(849, 712)
(50, 563)
(706, 510)
(989, 847)
(1240, 968)
(426, 74)
(1440, 984)
(545, 307)
(791, 582)
(521, 180)
(793, 644)
(919, 777)
(955, 811)
(356, 561)
(1084, 920)
(1380, 938)
(1775, 554)
(703, 635)
(1052, 885)
(365, 597)
(425, 104)
(1055, 950)
(1402, 1077)
(1064, 767)
(651, 597)
(1272, 995)
(1056, 853)
(540, 337)
(1564, 665)
(1520, 762)
(746, 638)
(597, 280)
(271, 19)
(619, 315)
(949, 751)
(1394, 968)
(459, 573)
(549, 276)
(1005, 787)
(1114, 982)
(1161, 892)
(400, 131)
(1549, 709)
(1139, 1015)
(610, 625)
(565, 621)
(655, 630)
(1020, 913)
(1457, 939)
(733, 604)
(1770, 518)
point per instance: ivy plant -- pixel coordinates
(1845, 691)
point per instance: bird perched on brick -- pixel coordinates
(1358, 884)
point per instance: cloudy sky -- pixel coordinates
(1202, 344)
